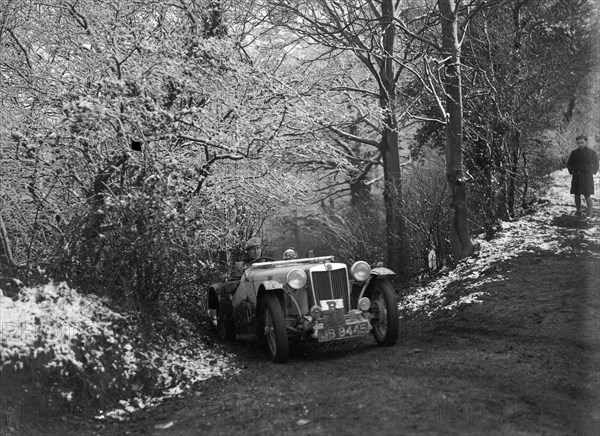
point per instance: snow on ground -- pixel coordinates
(69, 336)
(195, 366)
(531, 233)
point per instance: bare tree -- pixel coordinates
(124, 135)
(459, 228)
(530, 58)
(382, 35)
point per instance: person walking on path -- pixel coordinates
(582, 165)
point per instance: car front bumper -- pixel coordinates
(336, 324)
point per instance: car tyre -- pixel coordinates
(212, 315)
(225, 323)
(273, 329)
(384, 309)
(261, 338)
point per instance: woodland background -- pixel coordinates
(142, 143)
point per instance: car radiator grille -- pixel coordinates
(331, 285)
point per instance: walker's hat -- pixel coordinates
(252, 242)
(290, 254)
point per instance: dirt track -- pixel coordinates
(524, 361)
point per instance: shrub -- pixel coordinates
(82, 354)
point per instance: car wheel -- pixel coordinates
(274, 331)
(225, 324)
(384, 309)
(261, 338)
(212, 315)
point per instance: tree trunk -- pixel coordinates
(501, 164)
(392, 192)
(513, 173)
(6, 256)
(392, 195)
(459, 227)
(508, 170)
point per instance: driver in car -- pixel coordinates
(253, 251)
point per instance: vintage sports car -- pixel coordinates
(313, 298)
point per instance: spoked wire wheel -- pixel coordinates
(273, 329)
(384, 309)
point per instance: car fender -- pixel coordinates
(375, 274)
(214, 291)
(221, 292)
(271, 286)
(280, 290)
(382, 271)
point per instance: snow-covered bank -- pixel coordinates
(72, 348)
(544, 230)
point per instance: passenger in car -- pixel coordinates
(290, 254)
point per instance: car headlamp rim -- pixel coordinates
(296, 278)
(364, 304)
(360, 271)
(315, 312)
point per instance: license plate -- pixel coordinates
(343, 331)
(332, 304)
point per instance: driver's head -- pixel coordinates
(253, 249)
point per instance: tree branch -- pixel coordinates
(354, 137)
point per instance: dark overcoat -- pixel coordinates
(582, 164)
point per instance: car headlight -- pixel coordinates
(360, 271)
(364, 304)
(296, 278)
(315, 312)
